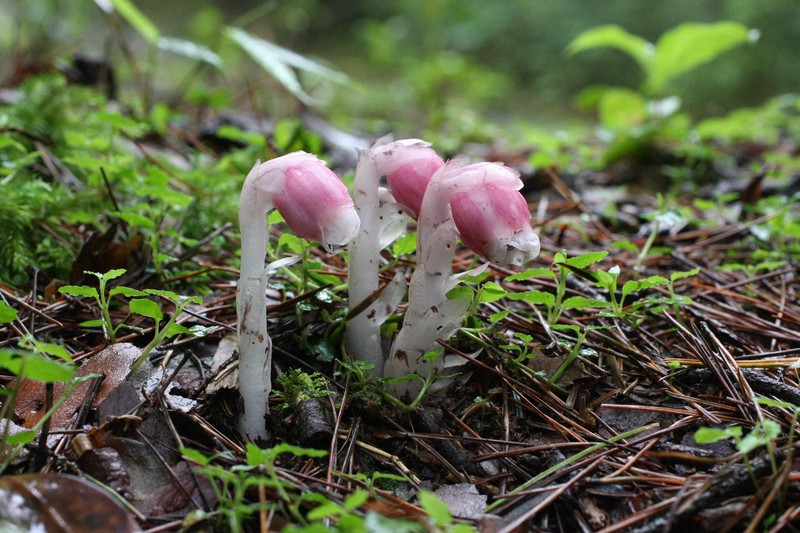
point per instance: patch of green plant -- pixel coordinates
(521, 348)
(234, 485)
(617, 304)
(634, 120)
(365, 387)
(102, 298)
(575, 347)
(237, 488)
(299, 386)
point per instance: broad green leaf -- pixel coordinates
(325, 509)
(137, 19)
(53, 349)
(566, 327)
(281, 62)
(7, 313)
(148, 308)
(405, 245)
(111, 274)
(622, 109)
(497, 317)
(169, 295)
(532, 273)
(584, 260)
(775, 403)
(690, 45)
(435, 508)
(606, 279)
(191, 50)
(92, 323)
(675, 276)
(79, 290)
(642, 284)
(613, 36)
(356, 500)
(33, 366)
(126, 291)
(534, 297)
(21, 438)
(761, 434)
(459, 292)
(195, 456)
(579, 302)
(711, 435)
(176, 329)
(490, 292)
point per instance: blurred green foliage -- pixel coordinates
(441, 62)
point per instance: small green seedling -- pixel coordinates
(575, 347)
(103, 299)
(150, 309)
(139, 304)
(762, 434)
(556, 303)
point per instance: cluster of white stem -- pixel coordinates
(478, 203)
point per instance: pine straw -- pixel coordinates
(609, 448)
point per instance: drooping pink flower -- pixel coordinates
(495, 223)
(481, 204)
(316, 205)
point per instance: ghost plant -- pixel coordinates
(408, 166)
(316, 206)
(480, 204)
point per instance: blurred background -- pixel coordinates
(417, 66)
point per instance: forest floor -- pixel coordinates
(707, 335)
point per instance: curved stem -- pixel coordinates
(363, 330)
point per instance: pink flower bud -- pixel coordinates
(316, 205)
(495, 223)
(409, 181)
(408, 165)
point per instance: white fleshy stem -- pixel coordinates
(363, 330)
(255, 346)
(316, 206)
(382, 221)
(431, 315)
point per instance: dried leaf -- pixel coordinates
(59, 502)
(114, 362)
